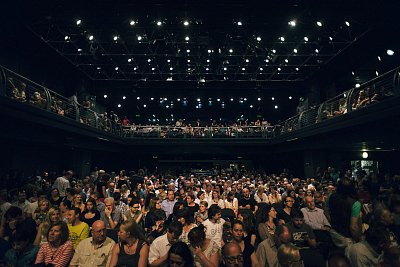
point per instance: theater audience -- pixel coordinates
(289, 256)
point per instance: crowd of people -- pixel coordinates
(227, 218)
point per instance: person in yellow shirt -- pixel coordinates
(78, 230)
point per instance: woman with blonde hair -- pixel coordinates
(52, 217)
(78, 202)
(40, 213)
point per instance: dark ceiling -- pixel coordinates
(221, 59)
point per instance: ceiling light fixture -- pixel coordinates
(390, 52)
(231, 51)
(305, 38)
(239, 23)
(377, 73)
(295, 51)
(319, 23)
(186, 23)
(292, 23)
(357, 85)
(282, 38)
(347, 23)
(258, 38)
(290, 97)
(129, 60)
(276, 107)
(91, 37)
(139, 38)
(124, 97)
(116, 68)
(115, 38)
(379, 58)
(105, 96)
(119, 105)
(159, 23)
(132, 22)
(187, 38)
(78, 22)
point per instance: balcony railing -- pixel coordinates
(27, 92)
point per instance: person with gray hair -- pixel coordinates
(111, 216)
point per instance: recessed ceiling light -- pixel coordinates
(290, 97)
(165, 99)
(149, 60)
(357, 85)
(188, 51)
(132, 22)
(231, 51)
(379, 58)
(119, 105)
(144, 105)
(151, 98)
(352, 73)
(91, 37)
(259, 99)
(171, 68)
(274, 51)
(186, 23)
(319, 23)
(239, 23)
(276, 107)
(267, 60)
(251, 106)
(243, 69)
(218, 99)
(116, 68)
(390, 52)
(330, 38)
(153, 69)
(297, 69)
(279, 69)
(306, 38)
(207, 69)
(99, 68)
(287, 60)
(261, 68)
(139, 38)
(225, 68)
(347, 23)
(247, 60)
(208, 61)
(187, 38)
(135, 68)
(295, 51)
(282, 38)
(258, 38)
(66, 38)
(138, 98)
(115, 38)
(159, 23)
(316, 50)
(292, 23)
(124, 97)
(188, 60)
(231, 99)
(209, 51)
(105, 96)
(377, 73)
(129, 60)
(272, 98)
(78, 22)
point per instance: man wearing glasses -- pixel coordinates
(95, 250)
(232, 255)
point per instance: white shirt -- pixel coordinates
(315, 218)
(159, 248)
(214, 230)
(62, 184)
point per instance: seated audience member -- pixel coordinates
(168, 204)
(111, 216)
(23, 203)
(100, 206)
(265, 221)
(214, 224)
(338, 260)
(248, 227)
(23, 252)
(41, 211)
(55, 198)
(369, 252)
(249, 255)
(247, 201)
(192, 206)
(186, 219)
(201, 215)
(132, 250)
(289, 256)
(267, 253)
(95, 250)
(158, 255)
(77, 201)
(302, 234)
(90, 214)
(232, 255)
(383, 217)
(78, 230)
(314, 216)
(13, 220)
(180, 255)
(134, 213)
(205, 251)
(284, 215)
(157, 229)
(231, 202)
(58, 251)
(52, 217)
(260, 196)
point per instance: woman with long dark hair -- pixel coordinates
(179, 255)
(90, 214)
(205, 251)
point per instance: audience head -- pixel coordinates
(310, 202)
(297, 218)
(214, 212)
(179, 255)
(289, 256)
(174, 231)
(130, 229)
(90, 204)
(237, 230)
(338, 260)
(346, 188)
(184, 216)
(197, 236)
(171, 195)
(99, 231)
(58, 234)
(73, 215)
(378, 238)
(232, 255)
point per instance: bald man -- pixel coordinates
(95, 250)
(232, 255)
(314, 216)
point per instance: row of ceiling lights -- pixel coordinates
(198, 99)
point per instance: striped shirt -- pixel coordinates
(59, 257)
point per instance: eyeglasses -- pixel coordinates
(233, 259)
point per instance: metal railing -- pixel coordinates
(25, 91)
